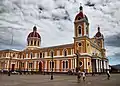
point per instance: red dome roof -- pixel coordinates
(79, 15)
(34, 33)
(98, 34)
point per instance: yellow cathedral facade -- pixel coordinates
(91, 52)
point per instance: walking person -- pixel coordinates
(79, 76)
(83, 75)
(108, 75)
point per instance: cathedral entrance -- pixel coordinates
(93, 61)
(40, 66)
(13, 67)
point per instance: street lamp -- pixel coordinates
(77, 68)
(77, 54)
(52, 65)
(9, 65)
(20, 63)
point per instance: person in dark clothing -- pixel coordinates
(108, 75)
(79, 76)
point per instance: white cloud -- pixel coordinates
(55, 20)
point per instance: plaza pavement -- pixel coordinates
(59, 80)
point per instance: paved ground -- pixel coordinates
(59, 80)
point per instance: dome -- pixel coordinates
(80, 15)
(98, 34)
(34, 34)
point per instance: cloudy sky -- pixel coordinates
(54, 19)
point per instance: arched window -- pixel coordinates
(31, 42)
(65, 52)
(63, 64)
(38, 43)
(79, 30)
(43, 54)
(37, 55)
(40, 55)
(51, 53)
(79, 18)
(13, 55)
(35, 43)
(30, 65)
(31, 55)
(88, 63)
(66, 64)
(23, 56)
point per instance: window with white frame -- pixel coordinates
(31, 55)
(65, 64)
(23, 56)
(65, 52)
(40, 54)
(43, 54)
(79, 30)
(51, 53)
(30, 65)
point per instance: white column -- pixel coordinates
(57, 63)
(7, 64)
(46, 65)
(26, 65)
(85, 64)
(71, 63)
(101, 64)
(75, 63)
(35, 65)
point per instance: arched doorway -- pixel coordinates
(40, 66)
(13, 67)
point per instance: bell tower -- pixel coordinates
(81, 31)
(81, 24)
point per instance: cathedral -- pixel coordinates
(89, 54)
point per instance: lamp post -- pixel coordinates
(77, 69)
(20, 64)
(52, 65)
(9, 65)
